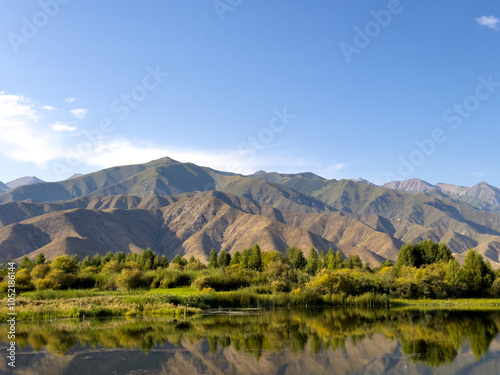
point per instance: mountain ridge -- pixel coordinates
(482, 195)
(3, 187)
(22, 181)
(229, 211)
(187, 225)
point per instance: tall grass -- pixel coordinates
(455, 304)
(49, 294)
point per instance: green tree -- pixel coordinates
(40, 259)
(476, 274)
(312, 264)
(106, 258)
(194, 265)
(163, 262)
(354, 261)
(295, 257)
(410, 255)
(255, 258)
(120, 257)
(323, 260)
(224, 259)
(423, 253)
(334, 260)
(338, 259)
(65, 264)
(60, 279)
(96, 261)
(75, 259)
(452, 276)
(435, 252)
(26, 263)
(272, 256)
(147, 259)
(213, 261)
(85, 263)
(40, 271)
(178, 260)
(113, 266)
(132, 257)
(132, 279)
(245, 256)
(387, 263)
(236, 259)
(330, 260)
(23, 280)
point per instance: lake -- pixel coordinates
(331, 341)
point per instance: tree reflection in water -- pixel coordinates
(430, 337)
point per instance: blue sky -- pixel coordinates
(380, 89)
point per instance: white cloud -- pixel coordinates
(479, 173)
(27, 136)
(49, 108)
(60, 127)
(79, 113)
(123, 151)
(489, 21)
(14, 106)
(69, 100)
(22, 136)
(332, 168)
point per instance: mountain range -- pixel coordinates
(185, 209)
(29, 180)
(482, 195)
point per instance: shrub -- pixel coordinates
(41, 284)
(495, 288)
(60, 279)
(85, 280)
(113, 266)
(23, 280)
(196, 265)
(172, 278)
(64, 263)
(222, 281)
(132, 279)
(280, 286)
(40, 271)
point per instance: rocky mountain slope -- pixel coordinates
(482, 195)
(190, 224)
(185, 209)
(413, 185)
(28, 180)
(3, 187)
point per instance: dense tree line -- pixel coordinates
(422, 270)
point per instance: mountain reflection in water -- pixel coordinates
(270, 342)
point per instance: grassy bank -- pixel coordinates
(181, 301)
(184, 301)
(448, 304)
(67, 304)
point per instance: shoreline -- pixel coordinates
(184, 301)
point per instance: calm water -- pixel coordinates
(272, 342)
